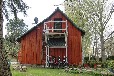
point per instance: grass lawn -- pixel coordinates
(46, 72)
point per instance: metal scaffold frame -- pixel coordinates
(47, 33)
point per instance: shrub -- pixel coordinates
(110, 64)
(91, 63)
(110, 58)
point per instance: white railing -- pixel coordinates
(47, 29)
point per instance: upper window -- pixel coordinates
(58, 25)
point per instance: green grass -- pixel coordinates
(46, 72)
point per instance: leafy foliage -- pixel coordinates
(14, 6)
(92, 16)
(15, 28)
(74, 10)
(110, 63)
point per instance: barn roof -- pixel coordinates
(56, 10)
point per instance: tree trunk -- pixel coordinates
(96, 48)
(102, 31)
(4, 67)
(102, 47)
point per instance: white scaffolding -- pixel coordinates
(47, 33)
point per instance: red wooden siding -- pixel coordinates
(74, 45)
(31, 45)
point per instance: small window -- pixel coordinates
(58, 25)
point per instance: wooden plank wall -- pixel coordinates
(57, 52)
(74, 45)
(31, 47)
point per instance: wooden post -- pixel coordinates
(82, 52)
(44, 25)
(46, 43)
(46, 57)
(66, 54)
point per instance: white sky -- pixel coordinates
(42, 9)
(39, 8)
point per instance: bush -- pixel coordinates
(110, 64)
(104, 64)
(110, 58)
(91, 63)
(91, 58)
(86, 59)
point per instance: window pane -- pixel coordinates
(58, 25)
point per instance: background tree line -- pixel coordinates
(92, 16)
(15, 28)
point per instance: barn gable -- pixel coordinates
(56, 10)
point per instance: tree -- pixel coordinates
(109, 43)
(97, 15)
(15, 29)
(74, 10)
(15, 6)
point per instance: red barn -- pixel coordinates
(55, 36)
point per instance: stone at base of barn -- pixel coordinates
(20, 67)
(23, 68)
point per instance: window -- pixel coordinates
(58, 25)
